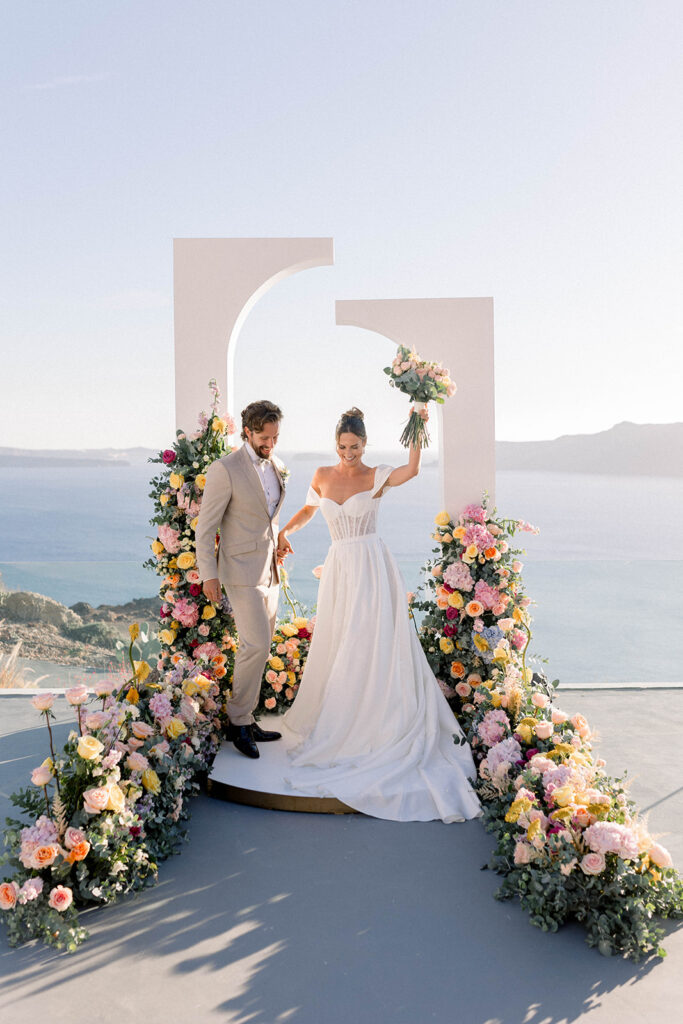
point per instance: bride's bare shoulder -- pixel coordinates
(321, 474)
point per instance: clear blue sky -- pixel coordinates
(531, 151)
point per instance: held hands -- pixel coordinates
(284, 548)
(212, 591)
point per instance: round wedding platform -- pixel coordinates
(260, 782)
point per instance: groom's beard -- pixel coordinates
(263, 453)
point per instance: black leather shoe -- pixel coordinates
(243, 740)
(262, 735)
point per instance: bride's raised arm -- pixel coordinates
(300, 518)
(402, 474)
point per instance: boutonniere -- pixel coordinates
(282, 470)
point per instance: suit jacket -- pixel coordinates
(234, 503)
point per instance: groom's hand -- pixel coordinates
(212, 590)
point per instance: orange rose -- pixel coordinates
(8, 895)
(490, 552)
(78, 852)
(474, 608)
(219, 659)
(220, 671)
(457, 670)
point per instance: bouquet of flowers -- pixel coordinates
(423, 382)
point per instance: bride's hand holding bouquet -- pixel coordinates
(423, 382)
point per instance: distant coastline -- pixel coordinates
(626, 449)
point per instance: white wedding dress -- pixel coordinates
(369, 724)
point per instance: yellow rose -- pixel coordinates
(175, 728)
(496, 700)
(151, 781)
(443, 519)
(175, 624)
(291, 676)
(208, 612)
(459, 532)
(563, 795)
(173, 563)
(157, 547)
(133, 696)
(186, 560)
(480, 642)
(177, 480)
(167, 636)
(142, 670)
(277, 663)
(456, 600)
(89, 748)
(49, 764)
(471, 551)
(164, 499)
(446, 538)
(117, 800)
(134, 630)
(218, 425)
(301, 623)
(525, 732)
(200, 482)
(190, 687)
(288, 629)
(446, 645)
(193, 523)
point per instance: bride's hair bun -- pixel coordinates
(351, 422)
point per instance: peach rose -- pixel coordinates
(270, 703)
(581, 726)
(79, 851)
(474, 608)
(437, 571)
(77, 695)
(43, 701)
(141, 730)
(61, 898)
(95, 799)
(116, 800)
(463, 689)
(539, 700)
(558, 716)
(660, 856)
(43, 856)
(8, 895)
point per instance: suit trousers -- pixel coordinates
(254, 610)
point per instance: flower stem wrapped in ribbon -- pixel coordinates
(423, 382)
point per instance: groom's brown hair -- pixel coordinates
(257, 414)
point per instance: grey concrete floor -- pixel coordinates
(269, 916)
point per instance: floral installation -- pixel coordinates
(568, 839)
(288, 653)
(423, 382)
(110, 804)
(190, 625)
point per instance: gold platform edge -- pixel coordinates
(277, 801)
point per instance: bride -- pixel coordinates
(369, 724)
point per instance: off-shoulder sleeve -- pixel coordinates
(382, 474)
(312, 498)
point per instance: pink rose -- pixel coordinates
(61, 898)
(96, 719)
(543, 730)
(463, 689)
(517, 566)
(270, 703)
(318, 571)
(271, 676)
(77, 695)
(73, 837)
(136, 762)
(539, 700)
(593, 863)
(41, 776)
(558, 716)
(43, 701)
(142, 730)
(204, 629)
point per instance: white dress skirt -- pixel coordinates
(369, 724)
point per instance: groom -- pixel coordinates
(242, 498)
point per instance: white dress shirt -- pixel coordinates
(268, 477)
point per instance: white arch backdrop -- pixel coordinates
(217, 281)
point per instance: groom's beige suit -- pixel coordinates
(235, 502)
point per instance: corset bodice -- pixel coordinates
(356, 517)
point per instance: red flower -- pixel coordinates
(168, 456)
(194, 643)
(304, 634)
(449, 630)
(452, 613)
(195, 589)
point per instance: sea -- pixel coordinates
(605, 572)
